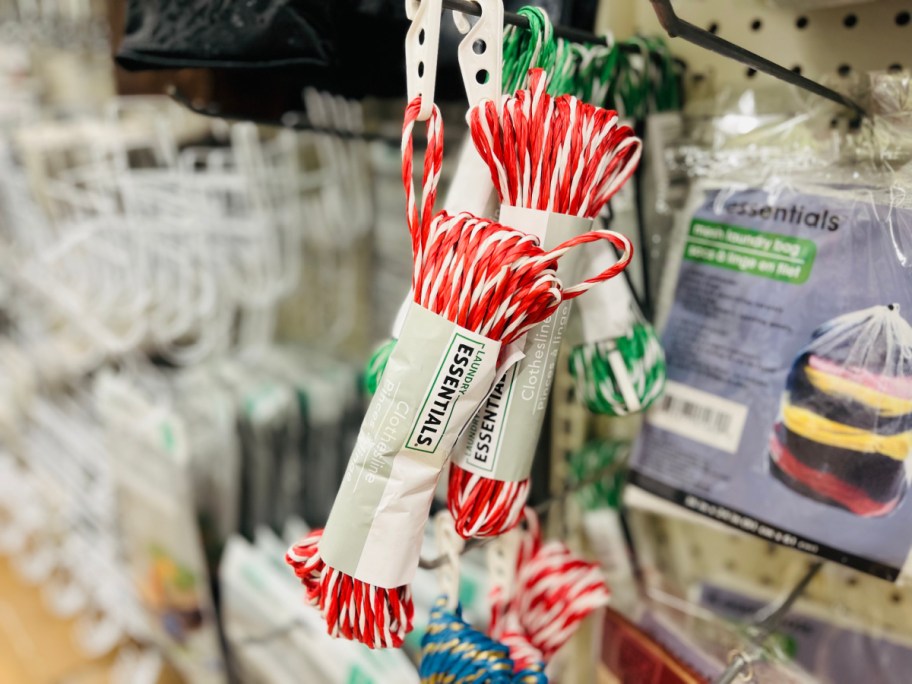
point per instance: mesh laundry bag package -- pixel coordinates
(844, 428)
(788, 407)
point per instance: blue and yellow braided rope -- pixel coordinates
(453, 652)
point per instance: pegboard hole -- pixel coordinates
(479, 46)
(698, 78)
(895, 68)
(844, 70)
(896, 597)
(713, 27)
(756, 25)
(852, 581)
(902, 19)
(751, 72)
(850, 20)
(801, 22)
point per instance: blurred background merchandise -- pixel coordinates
(187, 302)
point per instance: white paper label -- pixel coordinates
(607, 311)
(502, 439)
(471, 188)
(399, 321)
(436, 378)
(700, 416)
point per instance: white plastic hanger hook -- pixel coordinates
(451, 545)
(502, 554)
(421, 45)
(481, 54)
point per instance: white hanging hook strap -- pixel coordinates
(462, 22)
(421, 45)
(502, 556)
(449, 545)
(481, 53)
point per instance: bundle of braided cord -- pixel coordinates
(490, 279)
(553, 154)
(553, 592)
(613, 75)
(625, 373)
(523, 49)
(454, 651)
(622, 375)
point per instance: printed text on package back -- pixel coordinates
(769, 255)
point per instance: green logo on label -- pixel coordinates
(769, 255)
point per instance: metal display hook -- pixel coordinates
(676, 27)
(764, 623)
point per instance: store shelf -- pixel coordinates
(38, 648)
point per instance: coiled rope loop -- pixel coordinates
(488, 278)
(557, 155)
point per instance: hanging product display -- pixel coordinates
(478, 286)
(525, 49)
(555, 163)
(168, 570)
(598, 470)
(470, 189)
(634, 83)
(540, 595)
(453, 651)
(193, 484)
(620, 368)
(786, 412)
(552, 590)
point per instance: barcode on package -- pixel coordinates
(700, 416)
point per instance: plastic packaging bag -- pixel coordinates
(784, 275)
(844, 430)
